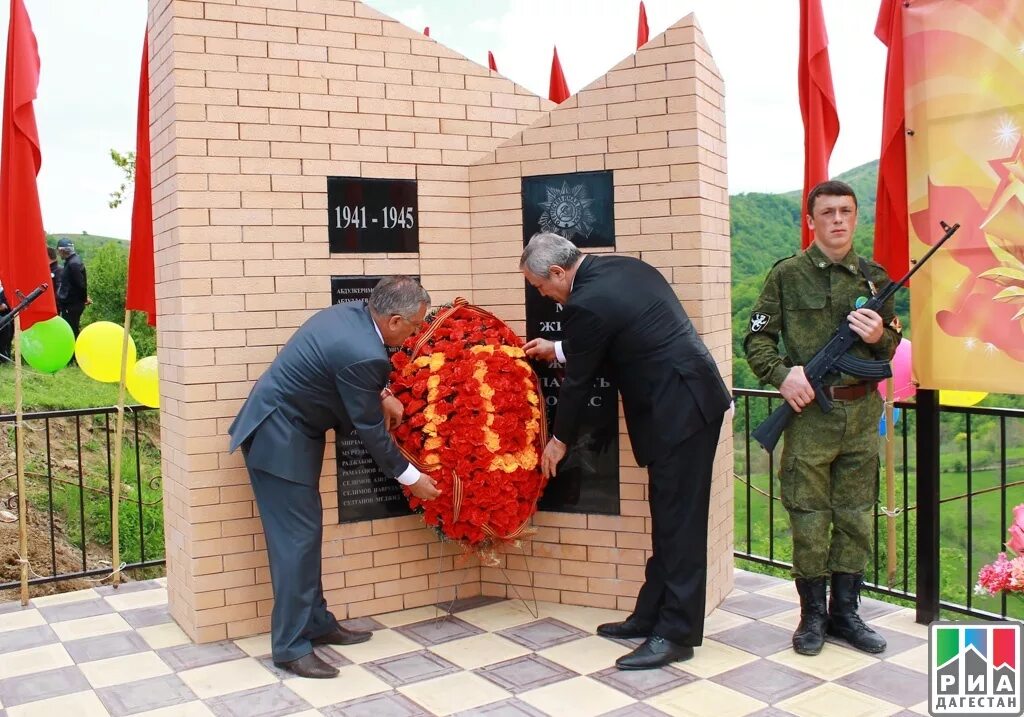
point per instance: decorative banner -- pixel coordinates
(964, 76)
(364, 492)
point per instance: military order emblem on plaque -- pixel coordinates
(578, 206)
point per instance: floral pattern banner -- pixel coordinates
(964, 77)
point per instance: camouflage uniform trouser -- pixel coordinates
(830, 479)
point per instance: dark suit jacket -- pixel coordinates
(328, 375)
(623, 318)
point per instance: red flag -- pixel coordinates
(892, 249)
(817, 101)
(490, 61)
(24, 264)
(643, 32)
(141, 293)
(426, 31)
(558, 92)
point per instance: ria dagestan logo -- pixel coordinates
(974, 668)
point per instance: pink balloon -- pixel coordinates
(902, 378)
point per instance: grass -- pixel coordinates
(68, 388)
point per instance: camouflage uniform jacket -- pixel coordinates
(804, 299)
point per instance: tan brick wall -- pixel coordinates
(254, 103)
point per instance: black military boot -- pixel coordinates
(810, 633)
(843, 620)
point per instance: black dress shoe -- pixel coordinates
(310, 666)
(655, 652)
(342, 636)
(625, 630)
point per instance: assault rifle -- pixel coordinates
(23, 303)
(834, 357)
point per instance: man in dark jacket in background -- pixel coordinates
(73, 294)
(56, 273)
(7, 332)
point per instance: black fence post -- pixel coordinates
(928, 442)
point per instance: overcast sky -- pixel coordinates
(90, 52)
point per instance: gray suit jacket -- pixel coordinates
(328, 375)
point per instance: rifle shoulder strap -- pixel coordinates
(864, 271)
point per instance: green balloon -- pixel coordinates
(48, 345)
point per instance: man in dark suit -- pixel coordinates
(73, 290)
(332, 373)
(621, 316)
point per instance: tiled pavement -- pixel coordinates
(100, 652)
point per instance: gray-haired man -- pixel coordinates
(332, 373)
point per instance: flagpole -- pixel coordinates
(115, 491)
(19, 442)
(890, 482)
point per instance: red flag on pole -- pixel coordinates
(24, 264)
(141, 293)
(426, 31)
(892, 249)
(490, 61)
(817, 101)
(643, 32)
(558, 92)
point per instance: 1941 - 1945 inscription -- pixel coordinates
(372, 215)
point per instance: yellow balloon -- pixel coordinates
(144, 382)
(960, 398)
(98, 351)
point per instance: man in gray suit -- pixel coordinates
(332, 373)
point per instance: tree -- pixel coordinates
(126, 163)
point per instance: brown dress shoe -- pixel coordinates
(310, 666)
(342, 636)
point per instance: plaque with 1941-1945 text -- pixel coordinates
(364, 492)
(372, 215)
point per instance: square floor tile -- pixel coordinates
(904, 621)
(642, 684)
(161, 636)
(506, 708)
(637, 709)
(833, 661)
(787, 619)
(479, 650)
(127, 668)
(257, 646)
(435, 632)
(19, 619)
(134, 600)
(542, 634)
(225, 677)
(757, 638)
(872, 608)
(190, 656)
(410, 667)
(889, 682)
(142, 695)
(786, 590)
(913, 659)
(408, 617)
(362, 624)
(34, 659)
(106, 646)
(384, 643)
(90, 627)
(352, 682)
(767, 681)
(525, 673)
(755, 605)
(41, 686)
(468, 603)
(586, 655)
(80, 704)
(584, 618)
(63, 598)
(26, 638)
(721, 620)
(133, 586)
(75, 610)
(498, 616)
(702, 698)
(713, 658)
(388, 704)
(270, 701)
(190, 709)
(147, 616)
(896, 641)
(755, 582)
(454, 693)
(830, 700)
(587, 696)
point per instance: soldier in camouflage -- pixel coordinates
(829, 474)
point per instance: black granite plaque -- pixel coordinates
(579, 206)
(372, 215)
(364, 492)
